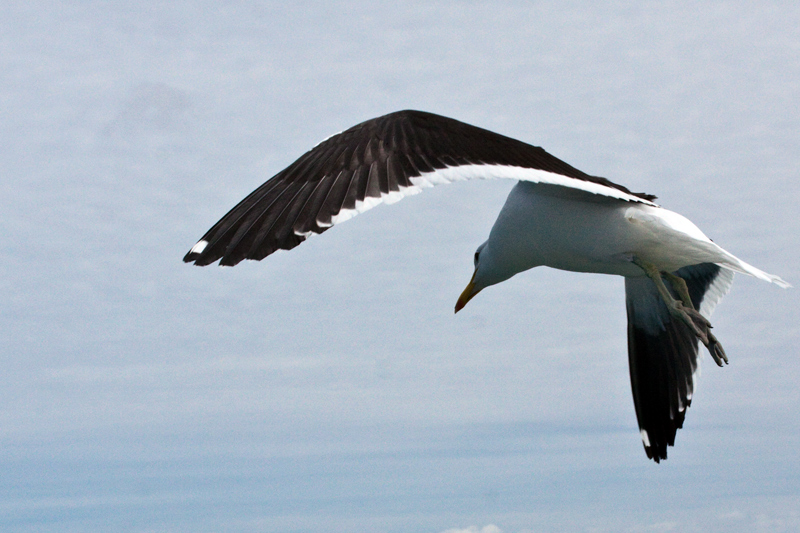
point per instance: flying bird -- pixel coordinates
(556, 216)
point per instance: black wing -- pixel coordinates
(355, 169)
(662, 352)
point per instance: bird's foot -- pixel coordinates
(701, 327)
(716, 351)
(683, 309)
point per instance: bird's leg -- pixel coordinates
(713, 345)
(684, 309)
(679, 284)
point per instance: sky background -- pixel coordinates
(331, 388)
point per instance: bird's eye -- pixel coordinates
(477, 254)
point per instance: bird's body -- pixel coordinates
(568, 229)
(561, 228)
(555, 216)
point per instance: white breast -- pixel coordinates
(565, 229)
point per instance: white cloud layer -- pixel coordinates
(491, 528)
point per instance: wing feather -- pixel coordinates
(380, 160)
(663, 353)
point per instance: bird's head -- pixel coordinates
(488, 271)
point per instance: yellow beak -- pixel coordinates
(467, 295)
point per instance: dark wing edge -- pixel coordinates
(663, 352)
(373, 162)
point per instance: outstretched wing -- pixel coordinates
(662, 352)
(380, 160)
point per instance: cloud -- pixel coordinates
(491, 528)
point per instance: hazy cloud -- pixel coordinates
(491, 528)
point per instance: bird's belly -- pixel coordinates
(594, 241)
(585, 233)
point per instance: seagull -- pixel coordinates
(555, 216)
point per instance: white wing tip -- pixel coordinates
(737, 265)
(780, 282)
(772, 278)
(199, 247)
(645, 438)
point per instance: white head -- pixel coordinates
(490, 268)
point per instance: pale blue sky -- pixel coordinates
(331, 388)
